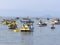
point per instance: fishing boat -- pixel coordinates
(56, 21)
(6, 22)
(26, 20)
(41, 24)
(12, 25)
(27, 25)
(26, 28)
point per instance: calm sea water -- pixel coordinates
(39, 36)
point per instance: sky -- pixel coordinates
(29, 7)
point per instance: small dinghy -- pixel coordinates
(52, 27)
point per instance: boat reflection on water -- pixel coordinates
(26, 38)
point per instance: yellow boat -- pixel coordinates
(25, 28)
(12, 25)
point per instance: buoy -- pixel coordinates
(16, 30)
